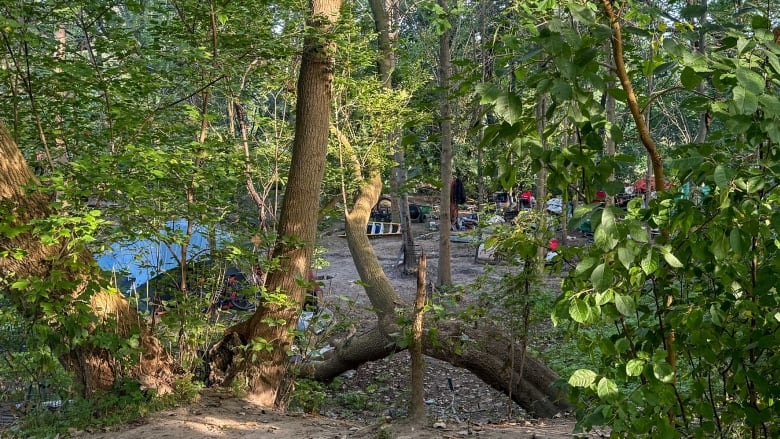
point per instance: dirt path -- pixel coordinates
(219, 415)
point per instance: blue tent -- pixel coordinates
(136, 262)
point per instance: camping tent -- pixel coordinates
(136, 262)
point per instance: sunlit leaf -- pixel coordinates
(625, 304)
(607, 389)
(582, 378)
(634, 367)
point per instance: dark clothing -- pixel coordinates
(458, 192)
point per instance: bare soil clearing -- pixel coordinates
(458, 403)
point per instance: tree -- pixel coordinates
(49, 266)
(266, 338)
(449, 210)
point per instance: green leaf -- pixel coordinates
(745, 101)
(582, 13)
(605, 297)
(625, 304)
(750, 80)
(20, 284)
(579, 311)
(582, 378)
(722, 177)
(672, 260)
(717, 316)
(634, 367)
(586, 265)
(602, 277)
(770, 104)
(638, 232)
(689, 78)
(649, 263)
(626, 256)
(774, 62)
(607, 389)
(692, 11)
(737, 242)
(663, 372)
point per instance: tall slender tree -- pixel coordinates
(445, 124)
(268, 335)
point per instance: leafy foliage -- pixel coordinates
(693, 309)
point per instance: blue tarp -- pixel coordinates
(136, 262)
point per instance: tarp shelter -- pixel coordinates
(136, 262)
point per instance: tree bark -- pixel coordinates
(267, 336)
(383, 12)
(445, 123)
(77, 278)
(417, 402)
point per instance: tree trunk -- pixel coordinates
(267, 344)
(417, 401)
(445, 122)
(70, 273)
(383, 11)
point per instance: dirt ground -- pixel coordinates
(458, 403)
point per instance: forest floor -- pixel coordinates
(369, 402)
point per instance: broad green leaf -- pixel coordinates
(20, 284)
(605, 238)
(582, 13)
(586, 265)
(626, 256)
(602, 277)
(582, 378)
(663, 372)
(650, 263)
(638, 232)
(744, 100)
(489, 93)
(625, 304)
(719, 244)
(605, 297)
(722, 177)
(561, 90)
(622, 345)
(579, 311)
(689, 78)
(510, 107)
(750, 80)
(634, 367)
(770, 104)
(672, 260)
(607, 389)
(737, 242)
(717, 316)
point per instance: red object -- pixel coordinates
(601, 196)
(526, 195)
(641, 184)
(553, 244)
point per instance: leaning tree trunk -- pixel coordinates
(486, 354)
(72, 278)
(267, 336)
